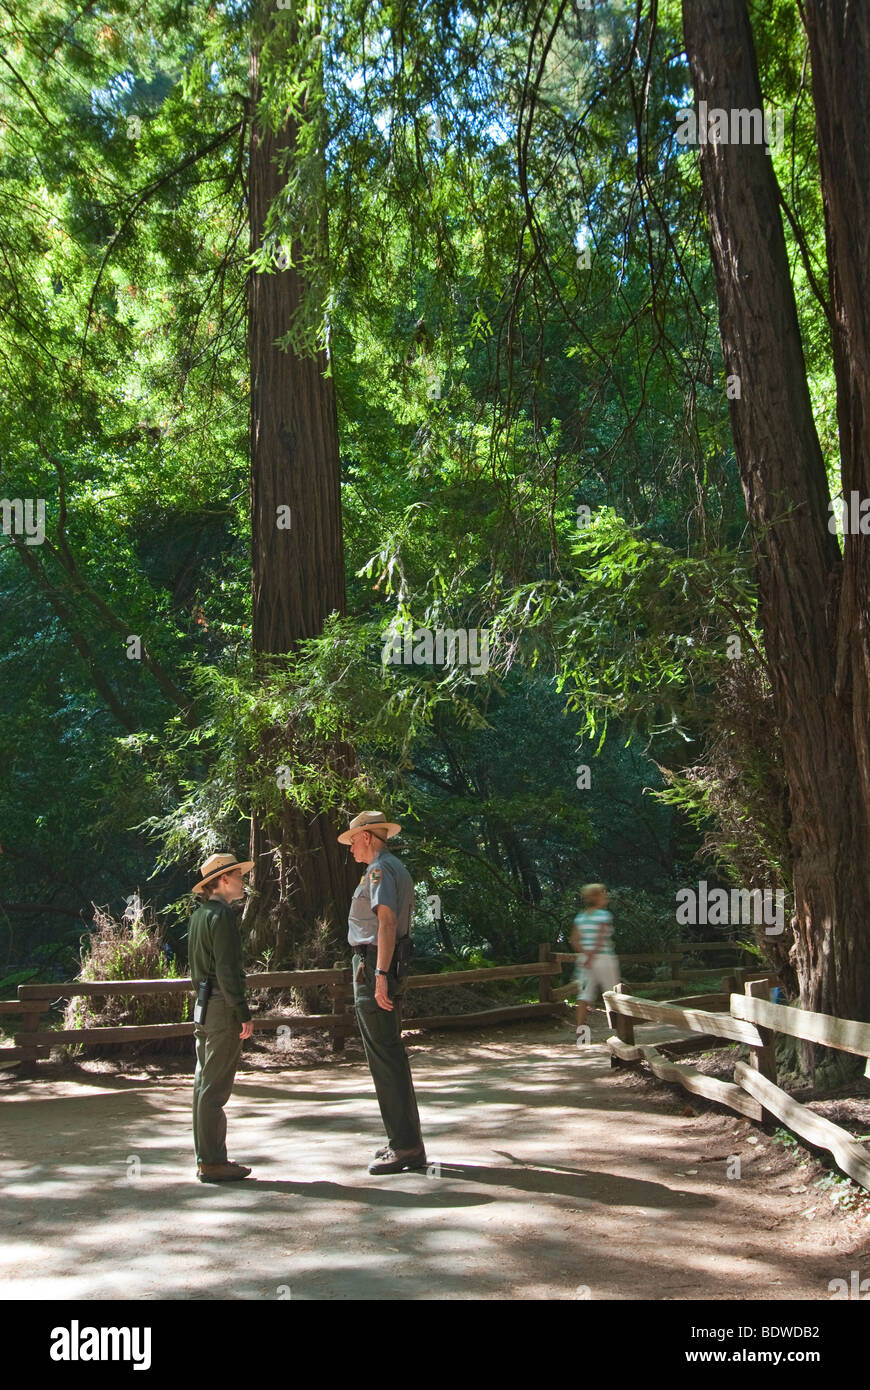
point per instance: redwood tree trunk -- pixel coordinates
(301, 874)
(821, 711)
(839, 37)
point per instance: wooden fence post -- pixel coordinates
(29, 1024)
(676, 967)
(763, 1059)
(622, 1025)
(624, 1028)
(545, 982)
(341, 991)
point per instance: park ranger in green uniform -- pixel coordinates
(215, 955)
(379, 920)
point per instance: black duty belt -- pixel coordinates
(400, 962)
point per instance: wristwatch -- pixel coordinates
(381, 972)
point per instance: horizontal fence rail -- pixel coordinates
(845, 1034)
(680, 976)
(31, 1042)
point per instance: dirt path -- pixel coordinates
(551, 1176)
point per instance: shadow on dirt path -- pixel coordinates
(548, 1178)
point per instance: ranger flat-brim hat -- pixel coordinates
(375, 821)
(220, 864)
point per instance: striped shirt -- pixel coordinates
(588, 924)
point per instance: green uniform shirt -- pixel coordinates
(214, 950)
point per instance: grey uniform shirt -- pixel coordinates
(385, 883)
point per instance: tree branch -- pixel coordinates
(80, 585)
(34, 908)
(142, 199)
(81, 645)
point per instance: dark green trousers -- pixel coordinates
(381, 1031)
(218, 1049)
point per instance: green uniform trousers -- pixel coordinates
(381, 1031)
(218, 1049)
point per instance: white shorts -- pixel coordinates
(602, 974)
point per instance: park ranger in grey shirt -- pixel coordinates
(386, 883)
(380, 918)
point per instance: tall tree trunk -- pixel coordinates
(839, 37)
(799, 569)
(301, 873)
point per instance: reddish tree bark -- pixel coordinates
(301, 873)
(839, 38)
(812, 616)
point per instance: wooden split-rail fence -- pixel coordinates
(32, 1042)
(752, 1019)
(747, 1018)
(680, 977)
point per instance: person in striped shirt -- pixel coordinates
(597, 965)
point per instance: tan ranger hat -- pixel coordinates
(220, 864)
(375, 821)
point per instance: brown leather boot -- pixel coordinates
(222, 1172)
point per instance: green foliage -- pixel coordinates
(643, 924)
(453, 167)
(469, 958)
(738, 794)
(842, 1191)
(11, 982)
